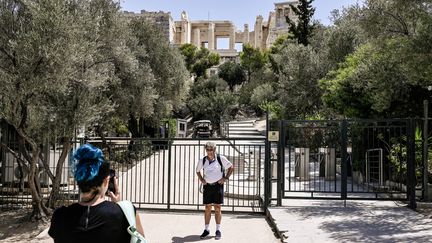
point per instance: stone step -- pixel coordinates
(245, 133)
(242, 129)
(243, 136)
(251, 126)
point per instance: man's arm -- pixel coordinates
(229, 172)
(201, 178)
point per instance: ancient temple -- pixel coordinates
(205, 33)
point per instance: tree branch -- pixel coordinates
(399, 19)
(12, 59)
(15, 154)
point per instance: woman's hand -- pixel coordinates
(115, 197)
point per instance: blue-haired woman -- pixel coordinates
(93, 219)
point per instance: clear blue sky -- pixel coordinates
(238, 11)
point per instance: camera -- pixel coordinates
(111, 186)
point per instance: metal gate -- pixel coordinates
(344, 159)
(160, 174)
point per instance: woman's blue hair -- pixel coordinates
(88, 162)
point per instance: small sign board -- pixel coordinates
(273, 136)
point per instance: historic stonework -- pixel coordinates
(204, 33)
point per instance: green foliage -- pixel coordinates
(302, 29)
(375, 82)
(168, 68)
(232, 73)
(119, 126)
(252, 60)
(274, 109)
(172, 124)
(398, 154)
(299, 71)
(262, 94)
(210, 99)
(198, 60)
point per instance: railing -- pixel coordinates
(349, 159)
(160, 174)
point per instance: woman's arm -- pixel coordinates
(139, 226)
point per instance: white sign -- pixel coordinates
(273, 136)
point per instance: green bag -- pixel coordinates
(129, 212)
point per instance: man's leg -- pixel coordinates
(207, 214)
(218, 218)
(218, 213)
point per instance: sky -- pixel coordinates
(238, 11)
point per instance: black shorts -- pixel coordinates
(213, 194)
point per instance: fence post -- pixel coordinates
(344, 180)
(281, 175)
(169, 175)
(267, 175)
(280, 165)
(425, 150)
(411, 180)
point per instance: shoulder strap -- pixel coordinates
(129, 211)
(221, 165)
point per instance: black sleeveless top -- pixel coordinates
(104, 222)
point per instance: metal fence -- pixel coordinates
(338, 159)
(348, 159)
(155, 173)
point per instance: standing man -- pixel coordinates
(213, 166)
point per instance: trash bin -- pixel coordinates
(302, 163)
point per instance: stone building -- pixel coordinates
(205, 33)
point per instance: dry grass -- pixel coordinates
(16, 227)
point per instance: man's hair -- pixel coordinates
(211, 145)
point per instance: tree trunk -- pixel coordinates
(141, 128)
(133, 126)
(107, 151)
(39, 209)
(55, 191)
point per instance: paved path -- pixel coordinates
(360, 221)
(187, 227)
(174, 227)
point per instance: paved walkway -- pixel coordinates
(360, 221)
(174, 227)
(187, 227)
(303, 221)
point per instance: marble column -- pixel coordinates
(246, 34)
(211, 37)
(232, 38)
(197, 37)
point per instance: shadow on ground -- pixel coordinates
(366, 222)
(189, 238)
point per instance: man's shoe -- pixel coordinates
(218, 235)
(205, 234)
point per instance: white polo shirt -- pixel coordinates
(212, 171)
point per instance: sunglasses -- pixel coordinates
(209, 149)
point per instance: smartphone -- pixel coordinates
(111, 186)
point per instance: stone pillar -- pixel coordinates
(211, 37)
(258, 32)
(232, 38)
(185, 28)
(197, 37)
(246, 34)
